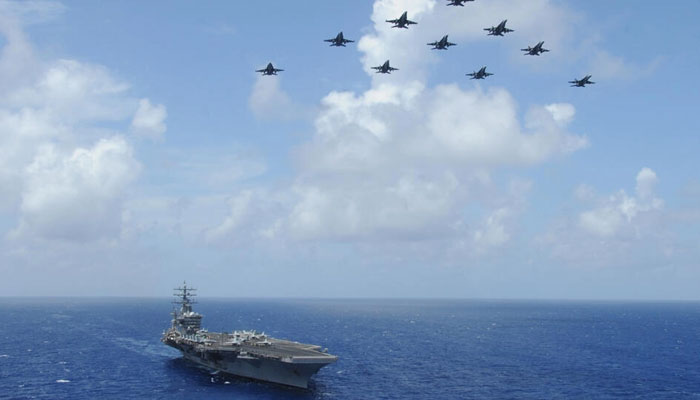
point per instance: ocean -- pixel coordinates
(107, 348)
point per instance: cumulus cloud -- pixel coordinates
(620, 210)
(394, 125)
(359, 174)
(611, 228)
(64, 166)
(149, 120)
(77, 196)
(402, 206)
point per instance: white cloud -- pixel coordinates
(620, 210)
(613, 229)
(390, 125)
(368, 146)
(646, 180)
(493, 233)
(64, 166)
(77, 196)
(563, 113)
(604, 221)
(71, 92)
(149, 120)
(404, 206)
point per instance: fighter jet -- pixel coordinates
(581, 82)
(402, 21)
(269, 70)
(535, 51)
(339, 40)
(498, 30)
(457, 2)
(385, 68)
(480, 74)
(441, 44)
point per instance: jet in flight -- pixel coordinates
(480, 74)
(581, 82)
(339, 40)
(457, 2)
(269, 70)
(535, 51)
(385, 68)
(498, 30)
(402, 21)
(441, 44)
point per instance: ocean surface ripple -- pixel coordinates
(388, 349)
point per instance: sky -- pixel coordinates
(139, 148)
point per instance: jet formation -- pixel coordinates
(443, 44)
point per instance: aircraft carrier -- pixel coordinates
(242, 353)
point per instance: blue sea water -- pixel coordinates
(388, 349)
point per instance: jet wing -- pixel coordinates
(409, 22)
(393, 69)
(277, 69)
(506, 30)
(393, 21)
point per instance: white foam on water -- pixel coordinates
(4, 356)
(227, 383)
(62, 381)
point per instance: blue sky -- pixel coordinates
(139, 148)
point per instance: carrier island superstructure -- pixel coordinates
(243, 353)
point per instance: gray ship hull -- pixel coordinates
(291, 372)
